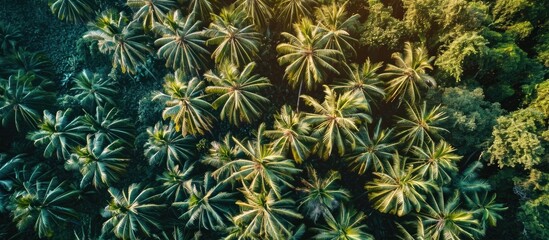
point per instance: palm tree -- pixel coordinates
(132, 213)
(308, 61)
(291, 133)
(335, 120)
(336, 26)
(151, 11)
(59, 134)
(173, 181)
(185, 105)
(372, 150)
(321, 195)
(399, 189)
(237, 42)
(220, 155)
(347, 225)
(444, 220)
(421, 126)
(239, 92)
(202, 8)
(182, 43)
(259, 11)
(438, 162)
(485, 208)
(23, 62)
(468, 181)
(263, 168)
(21, 103)
(265, 215)
(10, 35)
(72, 10)
(115, 36)
(43, 205)
(364, 81)
(207, 206)
(408, 74)
(100, 162)
(109, 122)
(94, 90)
(167, 145)
(9, 165)
(290, 12)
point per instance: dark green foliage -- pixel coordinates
(21, 103)
(321, 195)
(32, 63)
(468, 113)
(9, 37)
(372, 150)
(381, 29)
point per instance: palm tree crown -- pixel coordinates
(114, 35)
(307, 58)
(398, 189)
(263, 168)
(347, 225)
(237, 42)
(21, 102)
(132, 213)
(59, 134)
(207, 206)
(291, 134)
(408, 74)
(373, 150)
(321, 195)
(101, 163)
(185, 105)
(182, 43)
(363, 80)
(421, 126)
(335, 120)
(165, 145)
(94, 90)
(265, 215)
(43, 204)
(238, 92)
(151, 11)
(335, 25)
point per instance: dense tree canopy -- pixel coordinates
(285, 119)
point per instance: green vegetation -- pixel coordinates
(286, 119)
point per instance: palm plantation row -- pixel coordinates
(272, 184)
